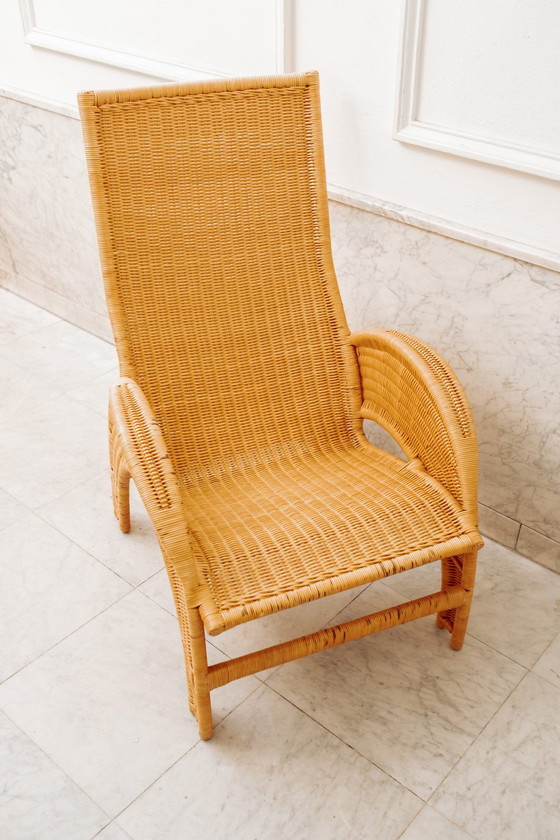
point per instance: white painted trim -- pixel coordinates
(409, 129)
(453, 230)
(38, 101)
(169, 71)
(284, 36)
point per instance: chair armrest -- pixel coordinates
(409, 390)
(141, 444)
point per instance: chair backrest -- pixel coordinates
(211, 211)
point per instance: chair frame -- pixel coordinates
(138, 450)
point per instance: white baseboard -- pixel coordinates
(482, 239)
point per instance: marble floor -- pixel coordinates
(394, 736)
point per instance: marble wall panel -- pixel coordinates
(47, 238)
(494, 318)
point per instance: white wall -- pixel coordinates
(462, 85)
(486, 75)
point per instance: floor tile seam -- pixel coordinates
(27, 509)
(549, 645)
(274, 668)
(147, 595)
(181, 757)
(52, 325)
(541, 677)
(474, 740)
(363, 590)
(109, 824)
(68, 391)
(12, 415)
(354, 749)
(34, 330)
(86, 551)
(58, 767)
(403, 832)
(427, 805)
(544, 677)
(472, 635)
(84, 403)
(116, 816)
(46, 378)
(63, 639)
(501, 653)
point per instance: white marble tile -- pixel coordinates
(21, 390)
(95, 392)
(113, 832)
(85, 515)
(402, 697)
(539, 548)
(158, 589)
(19, 317)
(516, 603)
(548, 665)
(429, 825)
(109, 703)
(37, 800)
(61, 354)
(506, 785)
(53, 447)
(50, 587)
(10, 509)
(498, 527)
(271, 773)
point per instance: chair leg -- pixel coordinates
(456, 571)
(198, 681)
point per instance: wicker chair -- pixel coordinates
(240, 409)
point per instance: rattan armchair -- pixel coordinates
(240, 409)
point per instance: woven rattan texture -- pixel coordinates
(214, 227)
(294, 523)
(239, 410)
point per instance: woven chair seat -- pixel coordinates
(290, 531)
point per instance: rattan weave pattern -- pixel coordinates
(188, 201)
(239, 411)
(296, 522)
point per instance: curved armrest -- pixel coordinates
(410, 391)
(142, 446)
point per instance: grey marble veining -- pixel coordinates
(506, 785)
(85, 515)
(516, 603)
(42, 570)
(37, 800)
(402, 698)
(42, 167)
(109, 703)
(271, 773)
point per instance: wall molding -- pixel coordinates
(39, 101)
(444, 227)
(103, 53)
(409, 129)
